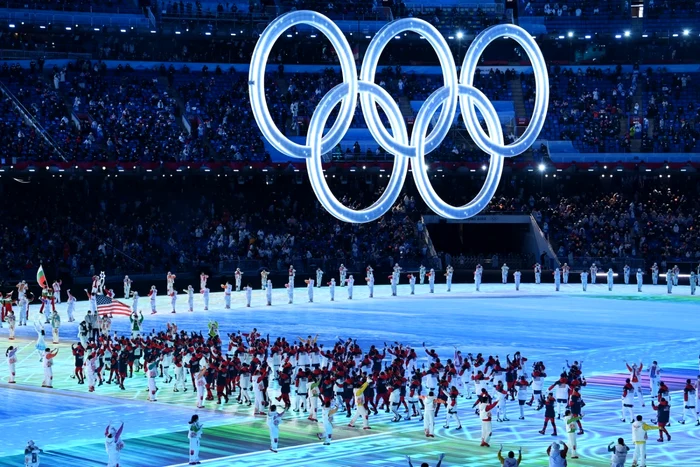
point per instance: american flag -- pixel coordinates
(106, 305)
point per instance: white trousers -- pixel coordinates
(429, 422)
(690, 411)
(313, 406)
(640, 454)
(502, 408)
(274, 437)
(12, 372)
(627, 412)
(48, 376)
(486, 429)
(360, 411)
(194, 449)
(151, 389)
(258, 404)
(572, 443)
(328, 431)
(450, 415)
(638, 391)
(92, 379)
(300, 400)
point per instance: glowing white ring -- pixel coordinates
(256, 81)
(420, 168)
(449, 72)
(314, 164)
(539, 68)
(422, 142)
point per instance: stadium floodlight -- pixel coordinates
(483, 167)
(628, 34)
(570, 34)
(686, 32)
(460, 35)
(541, 167)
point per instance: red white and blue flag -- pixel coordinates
(107, 306)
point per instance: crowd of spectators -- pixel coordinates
(634, 217)
(78, 6)
(605, 110)
(96, 114)
(589, 108)
(91, 113)
(579, 9)
(673, 112)
(129, 225)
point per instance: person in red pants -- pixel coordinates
(663, 416)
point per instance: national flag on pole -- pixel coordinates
(106, 306)
(41, 278)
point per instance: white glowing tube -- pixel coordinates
(396, 142)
